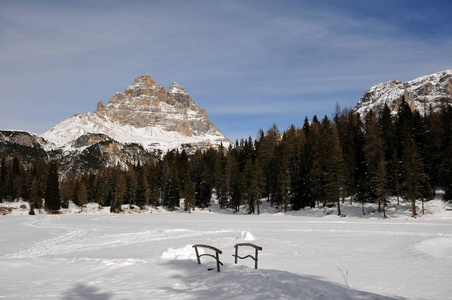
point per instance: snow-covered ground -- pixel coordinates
(306, 254)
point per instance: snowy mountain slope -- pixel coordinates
(431, 90)
(144, 114)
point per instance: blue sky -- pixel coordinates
(249, 63)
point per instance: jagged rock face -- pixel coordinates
(19, 137)
(146, 114)
(421, 93)
(89, 139)
(28, 146)
(146, 103)
(110, 153)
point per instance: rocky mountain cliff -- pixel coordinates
(421, 93)
(142, 121)
(145, 114)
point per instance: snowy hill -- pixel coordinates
(431, 90)
(143, 114)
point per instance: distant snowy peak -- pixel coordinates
(144, 114)
(421, 93)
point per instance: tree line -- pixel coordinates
(322, 163)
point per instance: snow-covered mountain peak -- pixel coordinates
(421, 93)
(144, 114)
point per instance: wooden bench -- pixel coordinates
(216, 257)
(257, 248)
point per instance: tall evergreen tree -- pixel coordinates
(131, 186)
(251, 186)
(34, 195)
(414, 184)
(82, 194)
(52, 192)
(222, 178)
(236, 185)
(174, 189)
(189, 191)
(3, 178)
(141, 188)
(375, 158)
(154, 187)
(120, 192)
(333, 164)
(313, 155)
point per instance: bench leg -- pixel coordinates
(197, 255)
(218, 261)
(255, 261)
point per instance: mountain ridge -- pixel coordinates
(422, 93)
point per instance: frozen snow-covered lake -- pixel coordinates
(145, 256)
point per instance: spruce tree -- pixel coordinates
(82, 194)
(236, 185)
(189, 191)
(131, 181)
(222, 177)
(141, 188)
(154, 187)
(414, 184)
(173, 187)
(120, 191)
(52, 192)
(375, 158)
(3, 177)
(333, 179)
(34, 195)
(251, 186)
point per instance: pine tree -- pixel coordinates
(414, 184)
(154, 187)
(443, 146)
(52, 193)
(3, 178)
(173, 187)
(141, 188)
(236, 185)
(265, 148)
(351, 138)
(82, 194)
(282, 188)
(222, 177)
(131, 181)
(333, 164)
(251, 186)
(34, 195)
(100, 188)
(202, 180)
(300, 190)
(403, 126)
(313, 155)
(120, 191)
(190, 199)
(375, 158)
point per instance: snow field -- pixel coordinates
(97, 255)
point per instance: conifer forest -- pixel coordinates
(323, 163)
